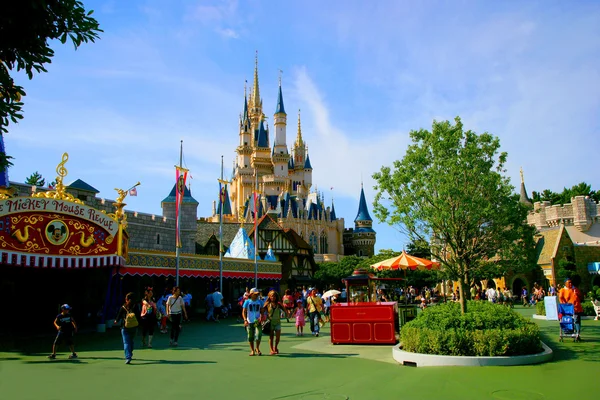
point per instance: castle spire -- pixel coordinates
(299, 136)
(363, 211)
(245, 116)
(255, 90)
(280, 108)
(523, 195)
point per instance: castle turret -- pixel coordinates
(363, 236)
(523, 195)
(189, 211)
(280, 154)
(256, 113)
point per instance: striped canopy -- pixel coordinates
(405, 261)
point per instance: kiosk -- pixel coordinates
(362, 319)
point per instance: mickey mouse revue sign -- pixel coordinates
(53, 229)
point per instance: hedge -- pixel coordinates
(485, 330)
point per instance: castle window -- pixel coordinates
(158, 238)
(312, 240)
(324, 244)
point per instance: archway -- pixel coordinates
(491, 284)
(517, 286)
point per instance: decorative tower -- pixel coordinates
(363, 236)
(523, 196)
(280, 154)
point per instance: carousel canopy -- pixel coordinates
(405, 261)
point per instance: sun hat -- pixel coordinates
(299, 301)
(254, 290)
(65, 307)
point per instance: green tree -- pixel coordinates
(35, 179)
(332, 273)
(26, 28)
(450, 189)
(419, 248)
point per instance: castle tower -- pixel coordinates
(363, 236)
(189, 216)
(280, 156)
(523, 196)
(256, 112)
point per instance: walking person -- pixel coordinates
(571, 295)
(217, 304)
(66, 327)
(148, 315)
(209, 302)
(314, 304)
(175, 309)
(273, 308)
(251, 312)
(288, 304)
(128, 322)
(300, 318)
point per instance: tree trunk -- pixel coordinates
(462, 300)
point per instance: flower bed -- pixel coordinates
(485, 330)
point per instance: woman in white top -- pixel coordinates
(175, 307)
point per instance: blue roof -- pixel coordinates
(332, 213)
(263, 135)
(361, 230)
(307, 163)
(241, 246)
(245, 115)
(270, 256)
(4, 174)
(187, 196)
(291, 163)
(280, 108)
(363, 211)
(224, 198)
(81, 185)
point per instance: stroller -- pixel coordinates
(566, 317)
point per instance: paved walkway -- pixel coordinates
(212, 363)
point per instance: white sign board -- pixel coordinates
(551, 308)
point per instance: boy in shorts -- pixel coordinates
(66, 327)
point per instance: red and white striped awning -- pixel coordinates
(150, 271)
(42, 261)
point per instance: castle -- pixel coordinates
(282, 178)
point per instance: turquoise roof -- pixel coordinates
(307, 163)
(187, 196)
(363, 211)
(81, 185)
(245, 116)
(280, 108)
(291, 163)
(270, 256)
(241, 246)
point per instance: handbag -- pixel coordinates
(266, 325)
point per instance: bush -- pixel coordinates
(485, 330)
(540, 308)
(588, 308)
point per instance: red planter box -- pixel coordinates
(364, 323)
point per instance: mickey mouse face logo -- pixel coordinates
(57, 232)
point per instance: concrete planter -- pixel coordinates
(432, 360)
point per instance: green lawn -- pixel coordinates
(212, 362)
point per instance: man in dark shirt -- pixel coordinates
(66, 327)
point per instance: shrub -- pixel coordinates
(588, 308)
(540, 308)
(485, 330)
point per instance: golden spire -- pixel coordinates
(255, 90)
(299, 136)
(522, 179)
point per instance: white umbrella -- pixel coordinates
(330, 293)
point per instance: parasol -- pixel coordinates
(330, 293)
(405, 261)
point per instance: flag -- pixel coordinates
(181, 176)
(133, 192)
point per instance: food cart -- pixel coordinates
(363, 319)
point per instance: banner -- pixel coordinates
(551, 308)
(181, 177)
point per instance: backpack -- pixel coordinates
(130, 319)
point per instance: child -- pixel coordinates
(300, 316)
(162, 309)
(66, 326)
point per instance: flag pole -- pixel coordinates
(222, 201)
(255, 229)
(177, 245)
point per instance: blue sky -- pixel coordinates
(364, 73)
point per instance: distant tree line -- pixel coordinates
(564, 197)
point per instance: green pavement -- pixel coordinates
(212, 362)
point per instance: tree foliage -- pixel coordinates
(450, 189)
(35, 179)
(564, 197)
(332, 273)
(26, 28)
